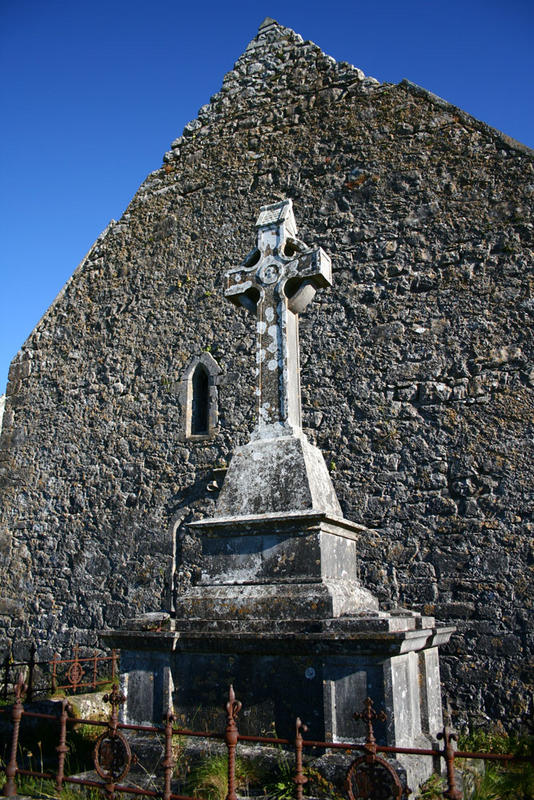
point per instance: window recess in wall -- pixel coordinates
(199, 397)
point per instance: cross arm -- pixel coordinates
(310, 271)
(241, 290)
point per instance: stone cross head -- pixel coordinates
(276, 282)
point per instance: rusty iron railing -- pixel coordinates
(368, 776)
(69, 674)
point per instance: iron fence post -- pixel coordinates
(62, 748)
(54, 674)
(113, 664)
(371, 772)
(231, 737)
(451, 793)
(75, 671)
(300, 778)
(367, 716)
(10, 788)
(95, 660)
(115, 699)
(168, 761)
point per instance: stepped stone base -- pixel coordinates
(280, 614)
(320, 671)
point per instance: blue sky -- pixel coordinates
(92, 94)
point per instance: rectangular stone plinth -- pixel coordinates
(280, 567)
(389, 657)
(322, 672)
(352, 637)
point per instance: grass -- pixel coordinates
(499, 780)
(433, 788)
(514, 782)
(44, 788)
(209, 779)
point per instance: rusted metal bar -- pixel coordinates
(447, 735)
(10, 788)
(187, 732)
(62, 748)
(33, 773)
(31, 671)
(231, 737)
(129, 789)
(81, 685)
(168, 761)
(113, 664)
(491, 756)
(81, 659)
(265, 740)
(300, 778)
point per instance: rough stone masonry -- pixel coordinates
(417, 367)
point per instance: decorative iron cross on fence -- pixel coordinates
(276, 282)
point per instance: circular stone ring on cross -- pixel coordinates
(269, 273)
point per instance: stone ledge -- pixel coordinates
(279, 522)
(298, 642)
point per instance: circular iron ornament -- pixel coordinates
(75, 673)
(372, 780)
(112, 756)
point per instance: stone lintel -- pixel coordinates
(292, 522)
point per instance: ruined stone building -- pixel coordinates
(126, 402)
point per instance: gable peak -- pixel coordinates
(267, 22)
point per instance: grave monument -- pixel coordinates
(279, 611)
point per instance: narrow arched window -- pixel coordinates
(200, 402)
(198, 392)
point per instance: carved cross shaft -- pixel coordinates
(276, 282)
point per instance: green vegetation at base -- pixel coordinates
(497, 780)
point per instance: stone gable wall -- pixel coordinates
(417, 366)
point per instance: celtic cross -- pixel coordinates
(276, 282)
